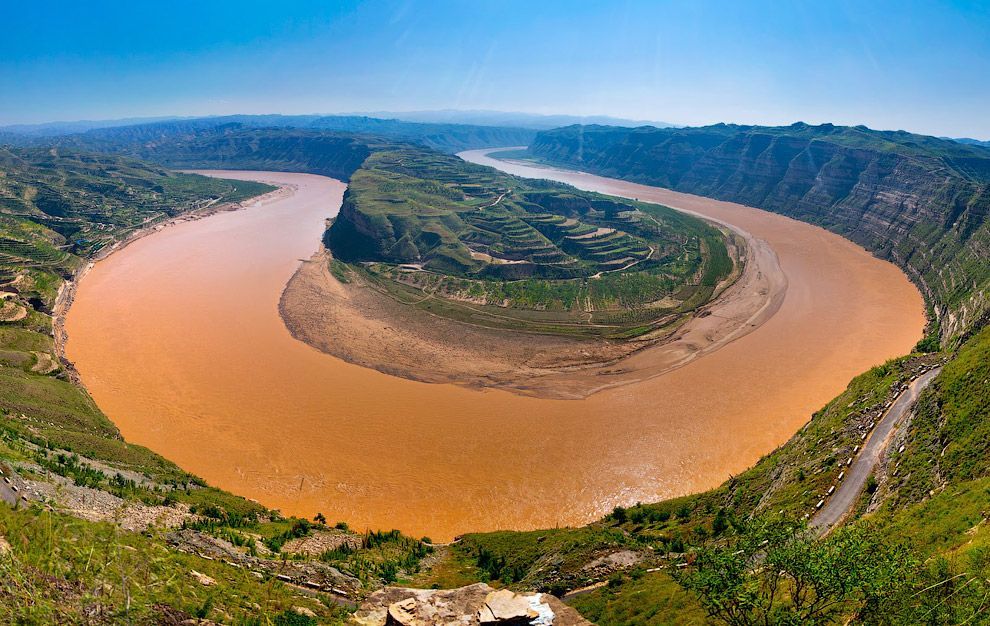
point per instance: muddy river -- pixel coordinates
(179, 340)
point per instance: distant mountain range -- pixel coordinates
(973, 142)
(507, 118)
(50, 129)
(123, 136)
(376, 121)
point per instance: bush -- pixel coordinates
(871, 484)
(291, 618)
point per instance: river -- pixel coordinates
(178, 339)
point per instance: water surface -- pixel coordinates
(179, 340)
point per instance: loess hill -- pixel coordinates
(478, 245)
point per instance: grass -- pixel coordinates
(61, 568)
(640, 599)
(949, 439)
(952, 520)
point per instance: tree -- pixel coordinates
(320, 519)
(778, 572)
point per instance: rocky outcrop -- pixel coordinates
(310, 574)
(473, 605)
(918, 201)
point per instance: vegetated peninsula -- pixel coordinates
(495, 279)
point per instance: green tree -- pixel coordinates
(779, 573)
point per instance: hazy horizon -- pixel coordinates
(922, 67)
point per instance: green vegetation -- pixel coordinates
(60, 205)
(516, 557)
(62, 570)
(774, 572)
(472, 243)
(640, 598)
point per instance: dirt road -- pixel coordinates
(844, 498)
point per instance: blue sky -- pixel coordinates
(920, 66)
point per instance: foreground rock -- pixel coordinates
(468, 606)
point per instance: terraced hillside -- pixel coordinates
(522, 254)
(919, 201)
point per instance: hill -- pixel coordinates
(546, 255)
(973, 142)
(142, 138)
(54, 129)
(508, 118)
(919, 201)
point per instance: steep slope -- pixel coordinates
(921, 202)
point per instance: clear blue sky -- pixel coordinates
(921, 66)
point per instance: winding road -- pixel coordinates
(844, 499)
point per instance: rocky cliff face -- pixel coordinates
(329, 154)
(918, 201)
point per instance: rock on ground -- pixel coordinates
(202, 579)
(474, 605)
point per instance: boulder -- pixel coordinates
(474, 605)
(514, 609)
(203, 579)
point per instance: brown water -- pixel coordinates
(179, 340)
